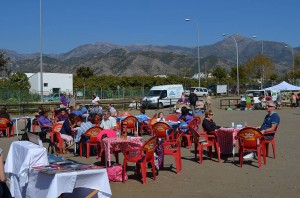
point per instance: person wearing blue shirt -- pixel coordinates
(270, 124)
(271, 121)
(183, 126)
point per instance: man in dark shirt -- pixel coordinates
(193, 98)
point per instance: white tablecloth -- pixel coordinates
(82, 182)
(21, 157)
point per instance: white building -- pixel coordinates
(53, 82)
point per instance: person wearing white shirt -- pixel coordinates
(108, 122)
(95, 99)
(160, 117)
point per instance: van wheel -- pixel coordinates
(160, 105)
(204, 95)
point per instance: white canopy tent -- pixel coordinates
(284, 86)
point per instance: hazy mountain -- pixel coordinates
(106, 58)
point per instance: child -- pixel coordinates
(183, 126)
(160, 117)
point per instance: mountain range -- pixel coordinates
(132, 60)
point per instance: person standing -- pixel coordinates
(71, 102)
(279, 100)
(208, 102)
(182, 98)
(193, 98)
(63, 100)
(293, 100)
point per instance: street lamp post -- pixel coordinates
(293, 56)
(237, 64)
(41, 52)
(262, 45)
(262, 52)
(199, 74)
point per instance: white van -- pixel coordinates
(163, 95)
(259, 96)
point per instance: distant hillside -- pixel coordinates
(106, 58)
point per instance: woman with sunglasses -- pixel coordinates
(208, 124)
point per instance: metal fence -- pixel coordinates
(20, 96)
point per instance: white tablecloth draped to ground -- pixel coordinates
(21, 157)
(53, 185)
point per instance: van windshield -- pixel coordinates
(154, 93)
(255, 93)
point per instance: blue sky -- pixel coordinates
(70, 23)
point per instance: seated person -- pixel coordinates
(78, 111)
(108, 122)
(36, 115)
(4, 114)
(96, 109)
(160, 117)
(208, 124)
(177, 108)
(270, 124)
(183, 126)
(112, 110)
(143, 118)
(66, 129)
(62, 116)
(45, 122)
(185, 112)
(271, 121)
(83, 127)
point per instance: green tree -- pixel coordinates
(297, 60)
(4, 64)
(259, 67)
(219, 73)
(242, 74)
(84, 73)
(19, 81)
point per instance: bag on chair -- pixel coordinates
(114, 173)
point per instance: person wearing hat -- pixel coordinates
(270, 124)
(96, 109)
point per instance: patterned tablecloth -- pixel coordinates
(118, 144)
(226, 139)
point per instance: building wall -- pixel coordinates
(64, 82)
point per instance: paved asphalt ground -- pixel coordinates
(280, 177)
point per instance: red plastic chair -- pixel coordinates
(126, 113)
(35, 124)
(267, 142)
(3, 126)
(148, 127)
(189, 136)
(202, 140)
(55, 136)
(92, 133)
(172, 117)
(141, 157)
(160, 129)
(251, 139)
(199, 120)
(172, 147)
(131, 124)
